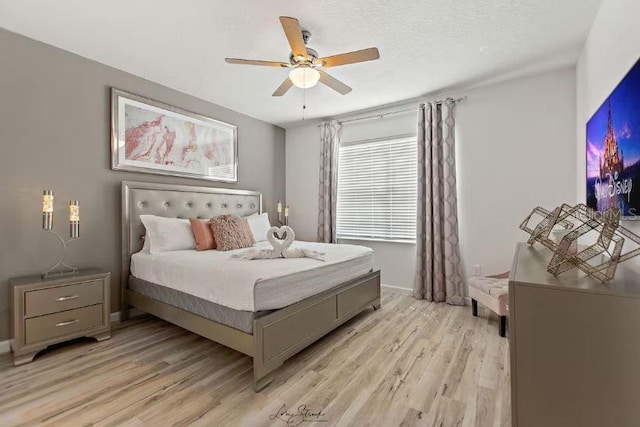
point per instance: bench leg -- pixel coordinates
(503, 326)
(474, 308)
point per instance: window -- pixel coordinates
(377, 186)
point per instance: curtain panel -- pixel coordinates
(438, 268)
(328, 187)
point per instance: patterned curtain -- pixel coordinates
(328, 189)
(438, 273)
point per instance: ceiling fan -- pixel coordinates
(305, 63)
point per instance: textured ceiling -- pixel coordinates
(425, 45)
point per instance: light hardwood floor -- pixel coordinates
(410, 363)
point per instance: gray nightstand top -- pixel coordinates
(83, 274)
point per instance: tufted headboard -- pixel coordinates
(176, 201)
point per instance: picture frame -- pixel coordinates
(149, 136)
(613, 150)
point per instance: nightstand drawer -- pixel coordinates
(54, 300)
(59, 324)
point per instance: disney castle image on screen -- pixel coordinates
(613, 149)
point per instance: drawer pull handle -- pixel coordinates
(68, 322)
(67, 298)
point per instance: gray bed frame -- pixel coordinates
(276, 336)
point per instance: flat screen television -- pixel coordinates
(613, 150)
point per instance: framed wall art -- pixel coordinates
(613, 150)
(152, 137)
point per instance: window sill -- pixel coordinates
(371, 239)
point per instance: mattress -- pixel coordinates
(241, 320)
(253, 285)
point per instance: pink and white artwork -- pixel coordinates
(157, 138)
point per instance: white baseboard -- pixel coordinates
(397, 289)
(134, 312)
(5, 347)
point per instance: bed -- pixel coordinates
(267, 309)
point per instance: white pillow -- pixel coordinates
(167, 234)
(259, 225)
(146, 247)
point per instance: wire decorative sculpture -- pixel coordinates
(601, 239)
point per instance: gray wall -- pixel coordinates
(54, 133)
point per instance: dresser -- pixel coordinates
(50, 311)
(575, 345)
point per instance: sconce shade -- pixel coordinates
(47, 201)
(74, 219)
(74, 211)
(47, 209)
(279, 207)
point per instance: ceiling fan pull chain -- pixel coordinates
(304, 101)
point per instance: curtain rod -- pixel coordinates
(382, 115)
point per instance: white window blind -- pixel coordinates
(377, 186)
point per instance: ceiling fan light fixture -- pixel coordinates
(304, 62)
(304, 77)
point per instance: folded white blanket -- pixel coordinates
(281, 247)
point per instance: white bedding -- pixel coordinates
(254, 285)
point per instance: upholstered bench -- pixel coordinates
(493, 293)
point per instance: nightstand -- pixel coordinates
(50, 311)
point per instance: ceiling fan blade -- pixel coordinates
(284, 87)
(334, 83)
(351, 57)
(292, 30)
(255, 62)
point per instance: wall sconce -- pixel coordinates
(74, 232)
(286, 214)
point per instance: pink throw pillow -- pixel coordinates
(203, 234)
